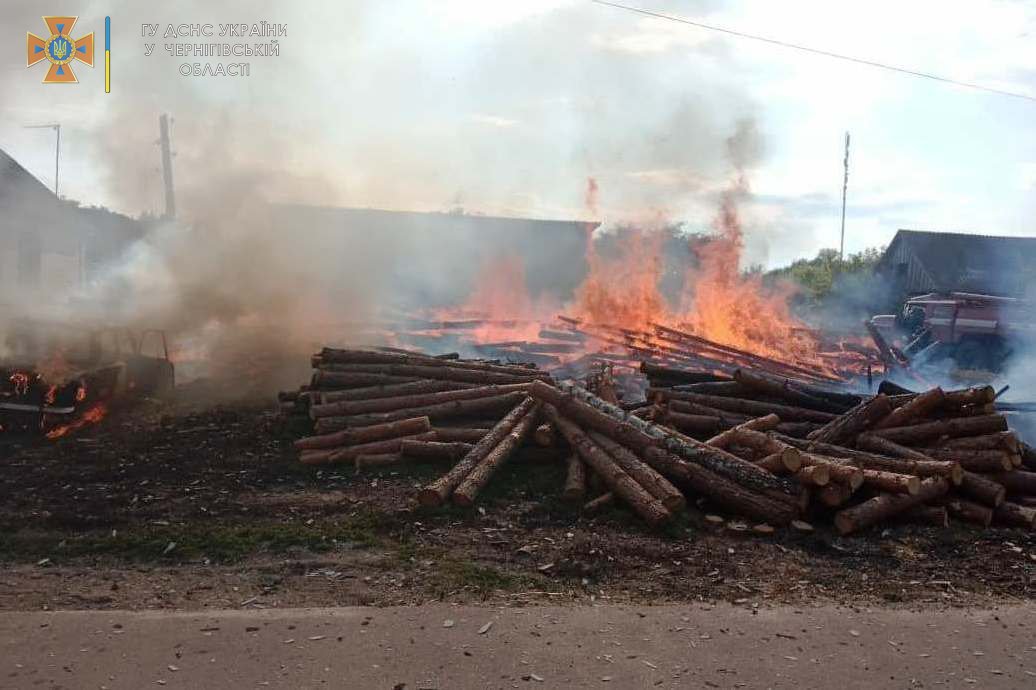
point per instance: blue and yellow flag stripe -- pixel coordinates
(107, 54)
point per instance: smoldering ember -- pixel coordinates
(507, 376)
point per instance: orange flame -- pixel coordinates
(622, 292)
(20, 381)
(92, 415)
(501, 296)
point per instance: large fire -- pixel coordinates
(622, 304)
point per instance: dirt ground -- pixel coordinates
(190, 505)
(445, 646)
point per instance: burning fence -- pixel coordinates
(772, 451)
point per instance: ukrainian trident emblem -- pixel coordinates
(61, 50)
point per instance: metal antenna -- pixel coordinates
(56, 126)
(845, 187)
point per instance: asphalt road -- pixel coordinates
(449, 647)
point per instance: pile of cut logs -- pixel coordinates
(772, 451)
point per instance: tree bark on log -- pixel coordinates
(921, 468)
(774, 462)
(449, 434)
(645, 475)
(791, 457)
(797, 429)
(766, 423)
(688, 407)
(840, 469)
(959, 426)
(365, 461)
(367, 357)
(853, 422)
(334, 380)
(784, 391)
(605, 499)
(692, 424)
(834, 494)
(367, 434)
(604, 466)
(414, 371)
(731, 389)
(544, 436)
(1014, 515)
(980, 395)
(814, 475)
(1020, 482)
(918, 408)
(652, 371)
(457, 408)
(891, 482)
(435, 450)
(884, 506)
(438, 491)
(982, 489)
(747, 407)
(575, 480)
(469, 488)
(936, 516)
(1004, 440)
(348, 453)
(639, 435)
(778, 508)
(392, 391)
(969, 511)
(354, 407)
(879, 444)
(976, 460)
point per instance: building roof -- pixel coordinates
(985, 264)
(63, 226)
(444, 252)
(15, 180)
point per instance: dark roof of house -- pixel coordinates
(972, 263)
(407, 220)
(15, 179)
(62, 224)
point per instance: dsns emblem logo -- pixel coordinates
(60, 50)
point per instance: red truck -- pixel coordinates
(976, 331)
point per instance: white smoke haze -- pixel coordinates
(496, 109)
(229, 276)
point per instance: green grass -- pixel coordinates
(451, 573)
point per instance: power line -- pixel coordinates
(816, 51)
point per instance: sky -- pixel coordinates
(507, 108)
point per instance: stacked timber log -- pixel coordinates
(748, 444)
(378, 407)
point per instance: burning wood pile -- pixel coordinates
(772, 451)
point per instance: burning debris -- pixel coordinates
(772, 450)
(58, 379)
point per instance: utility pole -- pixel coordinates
(167, 166)
(845, 187)
(56, 126)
